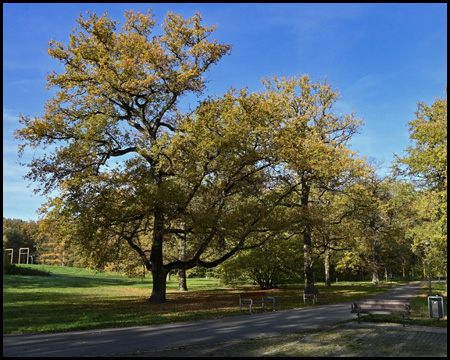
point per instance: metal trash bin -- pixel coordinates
(436, 307)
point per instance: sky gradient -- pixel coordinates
(382, 58)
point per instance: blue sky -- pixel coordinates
(382, 58)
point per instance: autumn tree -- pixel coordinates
(369, 203)
(114, 107)
(334, 230)
(55, 251)
(380, 209)
(136, 175)
(403, 217)
(425, 164)
(312, 147)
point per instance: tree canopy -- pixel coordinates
(135, 174)
(139, 181)
(425, 162)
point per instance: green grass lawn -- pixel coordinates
(76, 299)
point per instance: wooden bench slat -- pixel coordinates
(382, 302)
(381, 306)
(251, 295)
(391, 307)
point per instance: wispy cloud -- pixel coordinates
(10, 123)
(368, 85)
(325, 29)
(10, 116)
(13, 170)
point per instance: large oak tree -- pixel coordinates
(135, 175)
(115, 103)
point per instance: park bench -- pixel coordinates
(315, 297)
(390, 307)
(255, 298)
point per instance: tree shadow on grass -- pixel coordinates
(64, 281)
(48, 311)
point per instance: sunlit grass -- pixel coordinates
(75, 299)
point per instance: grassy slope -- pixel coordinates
(75, 299)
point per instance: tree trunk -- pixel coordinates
(446, 279)
(156, 258)
(159, 287)
(327, 268)
(182, 283)
(309, 275)
(375, 262)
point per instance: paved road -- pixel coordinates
(153, 337)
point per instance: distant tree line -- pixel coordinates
(43, 248)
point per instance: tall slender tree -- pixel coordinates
(312, 147)
(425, 164)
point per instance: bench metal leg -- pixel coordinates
(240, 306)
